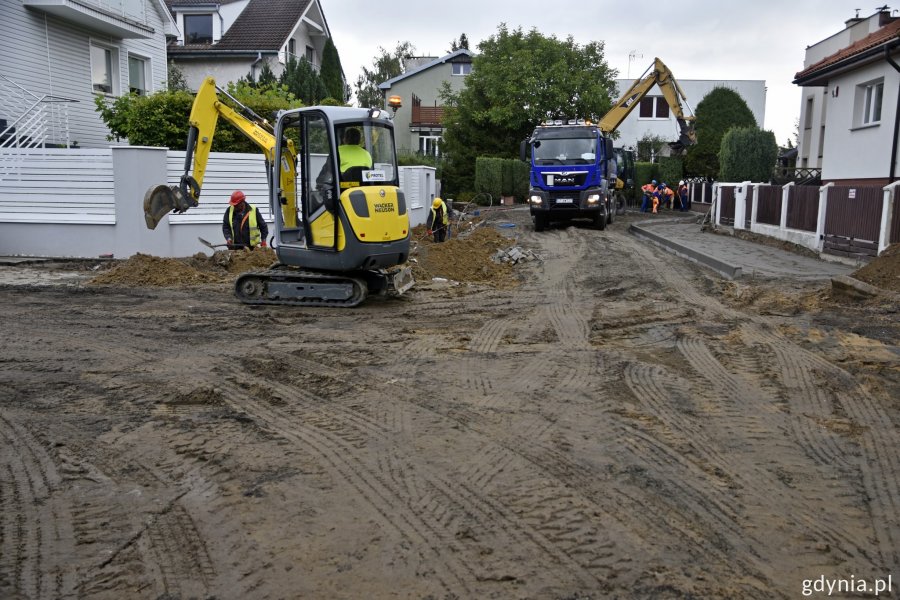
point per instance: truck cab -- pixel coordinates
(572, 174)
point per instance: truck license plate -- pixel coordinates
(564, 201)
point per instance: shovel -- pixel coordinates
(214, 246)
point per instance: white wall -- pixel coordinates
(633, 128)
(41, 216)
(851, 151)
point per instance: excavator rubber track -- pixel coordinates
(298, 287)
(293, 286)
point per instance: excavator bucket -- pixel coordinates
(160, 200)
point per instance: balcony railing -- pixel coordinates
(427, 115)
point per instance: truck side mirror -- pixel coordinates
(609, 148)
(523, 149)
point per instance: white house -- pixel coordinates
(230, 39)
(58, 55)
(848, 116)
(653, 117)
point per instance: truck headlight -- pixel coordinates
(535, 199)
(593, 198)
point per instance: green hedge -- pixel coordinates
(501, 177)
(644, 173)
(747, 154)
(670, 171)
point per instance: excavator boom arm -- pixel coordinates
(205, 113)
(658, 74)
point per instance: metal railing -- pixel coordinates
(30, 121)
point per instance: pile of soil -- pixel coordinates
(466, 257)
(153, 271)
(884, 271)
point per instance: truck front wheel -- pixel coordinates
(540, 222)
(600, 220)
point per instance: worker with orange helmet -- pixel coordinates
(438, 222)
(649, 193)
(243, 225)
(664, 194)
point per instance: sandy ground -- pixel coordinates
(606, 422)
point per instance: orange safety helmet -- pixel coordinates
(236, 198)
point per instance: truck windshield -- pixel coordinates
(565, 151)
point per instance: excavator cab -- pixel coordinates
(351, 219)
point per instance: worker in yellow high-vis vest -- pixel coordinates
(243, 225)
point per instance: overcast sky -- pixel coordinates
(697, 39)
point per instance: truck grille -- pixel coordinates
(564, 179)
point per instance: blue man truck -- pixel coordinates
(573, 173)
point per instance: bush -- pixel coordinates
(489, 176)
(670, 170)
(162, 119)
(501, 177)
(747, 154)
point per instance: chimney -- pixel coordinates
(853, 20)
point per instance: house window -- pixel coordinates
(310, 54)
(292, 48)
(871, 102)
(462, 68)
(198, 29)
(102, 69)
(137, 75)
(429, 145)
(654, 107)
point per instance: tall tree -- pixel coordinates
(463, 42)
(332, 73)
(303, 81)
(719, 111)
(385, 66)
(518, 79)
(266, 76)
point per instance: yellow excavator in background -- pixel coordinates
(338, 236)
(657, 74)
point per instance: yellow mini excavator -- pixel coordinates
(339, 235)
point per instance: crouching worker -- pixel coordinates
(242, 225)
(438, 221)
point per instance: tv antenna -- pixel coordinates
(631, 56)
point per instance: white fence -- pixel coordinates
(746, 196)
(87, 203)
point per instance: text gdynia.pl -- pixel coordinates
(829, 586)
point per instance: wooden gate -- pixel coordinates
(853, 220)
(726, 205)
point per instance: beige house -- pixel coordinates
(418, 125)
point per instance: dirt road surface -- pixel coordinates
(619, 424)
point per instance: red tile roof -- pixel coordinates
(886, 34)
